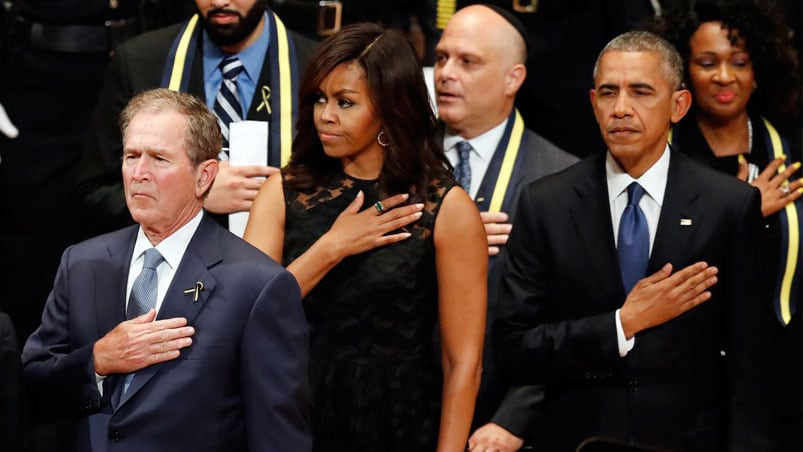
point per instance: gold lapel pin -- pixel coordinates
(199, 287)
(685, 221)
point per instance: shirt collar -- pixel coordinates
(172, 247)
(484, 145)
(252, 56)
(653, 181)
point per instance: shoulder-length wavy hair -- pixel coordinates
(763, 27)
(398, 95)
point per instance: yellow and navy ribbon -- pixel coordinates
(503, 168)
(280, 96)
(787, 288)
(177, 62)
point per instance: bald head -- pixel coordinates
(490, 26)
(478, 71)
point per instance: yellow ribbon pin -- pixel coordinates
(265, 99)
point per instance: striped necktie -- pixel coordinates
(227, 102)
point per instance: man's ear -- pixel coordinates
(514, 78)
(681, 102)
(205, 176)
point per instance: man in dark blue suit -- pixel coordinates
(203, 349)
(633, 286)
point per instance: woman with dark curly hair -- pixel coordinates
(366, 137)
(744, 76)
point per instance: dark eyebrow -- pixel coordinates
(608, 86)
(646, 86)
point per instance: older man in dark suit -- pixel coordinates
(229, 48)
(173, 334)
(633, 289)
(478, 71)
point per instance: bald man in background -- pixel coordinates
(479, 68)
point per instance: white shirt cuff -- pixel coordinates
(625, 344)
(99, 381)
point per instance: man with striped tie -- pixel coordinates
(235, 54)
(172, 334)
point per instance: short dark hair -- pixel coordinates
(642, 41)
(202, 139)
(762, 26)
(399, 98)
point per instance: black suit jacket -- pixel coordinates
(14, 421)
(241, 385)
(512, 408)
(137, 66)
(698, 382)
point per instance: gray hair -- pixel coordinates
(643, 41)
(202, 139)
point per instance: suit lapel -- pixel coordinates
(110, 282)
(262, 94)
(202, 253)
(592, 220)
(680, 216)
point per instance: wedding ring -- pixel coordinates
(380, 209)
(784, 189)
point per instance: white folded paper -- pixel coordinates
(248, 145)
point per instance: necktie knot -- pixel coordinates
(228, 107)
(634, 194)
(231, 67)
(152, 258)
(464, 150)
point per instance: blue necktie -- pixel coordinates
(462, 171)
(634, 239)
(143, 294)
(228, 108)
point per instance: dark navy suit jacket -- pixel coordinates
(241, 385)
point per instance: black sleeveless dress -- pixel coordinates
(376, 379)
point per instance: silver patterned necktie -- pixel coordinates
(143, 291)
(143, 294)
(228, 107)
(462, 171)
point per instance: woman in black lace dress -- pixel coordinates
(384, 246)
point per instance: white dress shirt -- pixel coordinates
(653, 181)
(484, 147)
(171, 248)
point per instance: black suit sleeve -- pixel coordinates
(518, 410)
(752, 333)
(532, 343)
(14, 425)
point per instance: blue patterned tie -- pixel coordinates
(462, 171)
(143, 293)
(634, 239)
(227, 102)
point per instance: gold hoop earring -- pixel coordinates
(379, 139)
